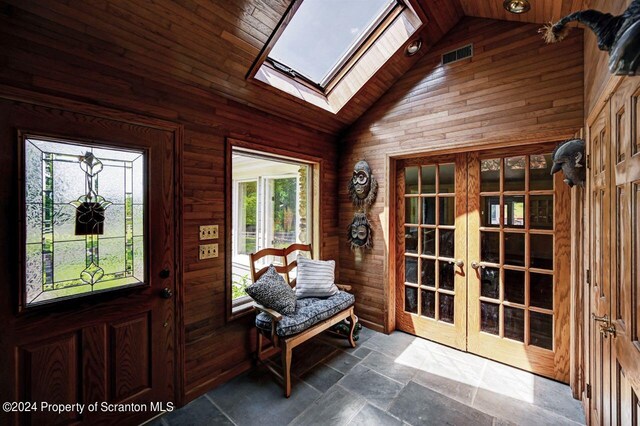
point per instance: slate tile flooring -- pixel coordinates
(395, 379)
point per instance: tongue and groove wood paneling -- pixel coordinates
(39, 56)
(515, 89)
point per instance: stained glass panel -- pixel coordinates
(84, 219)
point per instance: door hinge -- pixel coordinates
(588, 273)
(588, 161)
(588, 390)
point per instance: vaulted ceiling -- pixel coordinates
(213, 44)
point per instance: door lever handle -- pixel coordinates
(604, 318)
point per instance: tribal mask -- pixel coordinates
(359, 232)
(363, 187)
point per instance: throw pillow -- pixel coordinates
(273, 292)
(315, 278)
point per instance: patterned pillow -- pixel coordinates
(315, 278)
(272, 291)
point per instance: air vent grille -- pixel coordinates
(458, 54)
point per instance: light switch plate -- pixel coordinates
(208, 251)
(208, 232)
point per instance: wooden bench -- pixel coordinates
(287, 343)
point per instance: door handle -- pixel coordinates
(476, 264)
(166, 293)
(606, 328)
(459, 263)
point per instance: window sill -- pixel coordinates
(242, 308)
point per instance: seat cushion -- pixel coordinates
(309, 311)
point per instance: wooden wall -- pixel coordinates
(515, 89)
(596, 70)
(38, 61)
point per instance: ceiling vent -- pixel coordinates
(458, 54)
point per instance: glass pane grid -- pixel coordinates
(507, 214)
(432, 214)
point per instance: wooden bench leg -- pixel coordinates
(286, 369)
(353, 320)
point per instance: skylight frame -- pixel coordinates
(356, 49)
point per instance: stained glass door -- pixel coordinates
(432, 239)
(518, 289)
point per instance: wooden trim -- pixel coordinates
(179, 300)
(389, 224)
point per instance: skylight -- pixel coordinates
(323, 34)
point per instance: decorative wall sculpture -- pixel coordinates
(359, 233)
(84, 217)
(363, 187)
(618, 35)
(569, 157)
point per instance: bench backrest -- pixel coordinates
(286, 266)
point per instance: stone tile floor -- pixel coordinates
(386, 380)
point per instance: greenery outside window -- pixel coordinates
(271, 207)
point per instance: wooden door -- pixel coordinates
(110, 348)
(599, 268)
(624, 155)
(431, 227)
(519, 246)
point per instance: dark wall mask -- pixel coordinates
(359, 232)
(363, 187)
(569, 157)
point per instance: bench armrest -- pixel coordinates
(276, 316)
(344, 287)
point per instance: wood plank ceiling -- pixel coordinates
(212, 44)
(542, 11)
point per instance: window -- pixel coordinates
(84, 217)
(324, 51)
(324, 34)
(271, 202)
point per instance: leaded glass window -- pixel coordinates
(84, 208)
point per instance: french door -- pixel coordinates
(485, 247)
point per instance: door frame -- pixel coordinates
(177, 129)
(389, 221)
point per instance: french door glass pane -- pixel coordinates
(428, 179)
(490, 211)
(411, 239)
(411, 210)
(447, 275)
(514, 323)
(514, 173)
(429, 211)
(514, 249)
(428, 303)
(490, 282)
(490, 175)
(411, 269)
(541, 290)
(429, 242)
(541, 211)
(490, 318)
(541, 251)
(490, 246)
(446, 307)
(514, 211)
(446, 175)
(428, 272)
(411, 180)
(541, 326)
(540, 177)
(514, 286)
(447, 210)
(411, 299)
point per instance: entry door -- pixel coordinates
(483, 249)
(432, 288)
(113, 347)
(615, 268)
